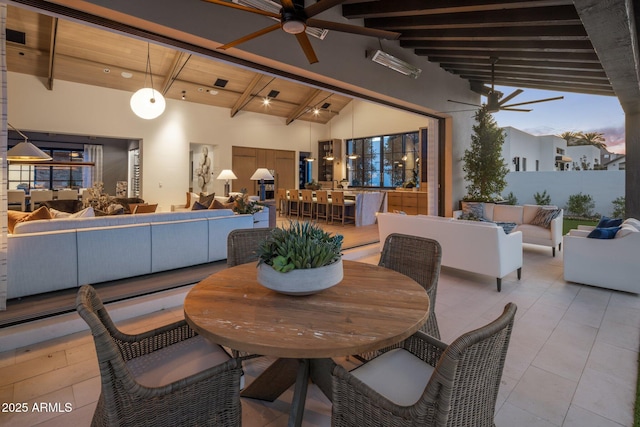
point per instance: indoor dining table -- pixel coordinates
(371, 308)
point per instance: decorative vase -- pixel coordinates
(300, 282)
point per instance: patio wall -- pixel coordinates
(602, 186)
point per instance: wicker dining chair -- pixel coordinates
(426, 382)
(242, 246)
(164, 377)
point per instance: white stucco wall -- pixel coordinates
(590, 153)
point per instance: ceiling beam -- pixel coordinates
(560, 56)
(247, 92)
(303, 105)
(180, 59)
(525, 63)
(553, 15)
(466, 68)
(394, 8)
(52, 52)
(555, 32)
(520, 45)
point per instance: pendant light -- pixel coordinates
(352, 156)
(147, 103)
(26, 151)
(310, 158)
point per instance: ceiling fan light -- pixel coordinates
(147, 103)
(293, 27)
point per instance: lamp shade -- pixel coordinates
(27, 151)
(261, 173)
(147, 103)
(227, 174)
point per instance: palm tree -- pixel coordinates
(571, 137)
(594, 138)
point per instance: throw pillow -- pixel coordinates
(58, 214)
(13, 217)
(544, 217)
(625, 229)
(197, 206)
(217, 205)
(41, 213)
(206, 199)
(473, 209)
(191, 199)
(604, 233)
(606, 222)
(633, 222)
(84, 213)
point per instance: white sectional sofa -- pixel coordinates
(606, 263)
(479, 247)
(522, 216)
(49, 255)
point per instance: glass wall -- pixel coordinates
(28, 176)
(384, 161)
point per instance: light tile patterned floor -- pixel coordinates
(572, 360)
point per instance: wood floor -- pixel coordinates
(30, 308)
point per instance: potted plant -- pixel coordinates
(300, 260)
(312, 185)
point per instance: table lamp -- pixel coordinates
(260, 175)
(227, 174)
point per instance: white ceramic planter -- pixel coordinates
(300, 282)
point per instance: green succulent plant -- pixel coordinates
(302, 245)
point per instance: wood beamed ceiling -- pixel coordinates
(539, 44)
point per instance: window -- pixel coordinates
(47, 176)
(524, 164)
(537, 165)
(384, 161)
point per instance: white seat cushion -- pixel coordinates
(176, 361)
(397, 374)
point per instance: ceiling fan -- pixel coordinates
(496, 102)
(294, 19)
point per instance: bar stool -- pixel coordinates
(282, 201)
(306, 206)
(340, 207)
(294, 203)
(323, 205)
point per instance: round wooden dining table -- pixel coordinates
(371, 308)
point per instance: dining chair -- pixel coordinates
(38, 196)
(166, 376)
(143, 208)
(426, 382)
(282, 201)
(242, 247)
(294, 203)
(306, 204)
(17, 198)
(323, 205)
(342, 209)
(67, 194)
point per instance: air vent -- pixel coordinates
(221, 83)
(325, 106)
(16, 36)
(273, 94)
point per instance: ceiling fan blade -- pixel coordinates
(245, 8)
(534, 102)
(511, 96)
(465, 103)
(353, 29)
(515, 109)
(250, 36)
(319, 7)
(287, 4)
(305, 44)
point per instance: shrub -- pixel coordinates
(511, 199)
(542, 199)
(580, 205)
(618, 207)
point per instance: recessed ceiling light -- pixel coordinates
(126, 74)
(212, 92)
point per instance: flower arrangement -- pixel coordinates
(97, 198)
(243, 205)
(301, 246)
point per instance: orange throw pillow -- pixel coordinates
(13, 217)
(41, 213)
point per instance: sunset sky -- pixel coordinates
(576, 113)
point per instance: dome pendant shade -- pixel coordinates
(147, 103)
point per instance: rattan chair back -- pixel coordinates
(243, 243)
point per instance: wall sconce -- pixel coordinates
(227, 174)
